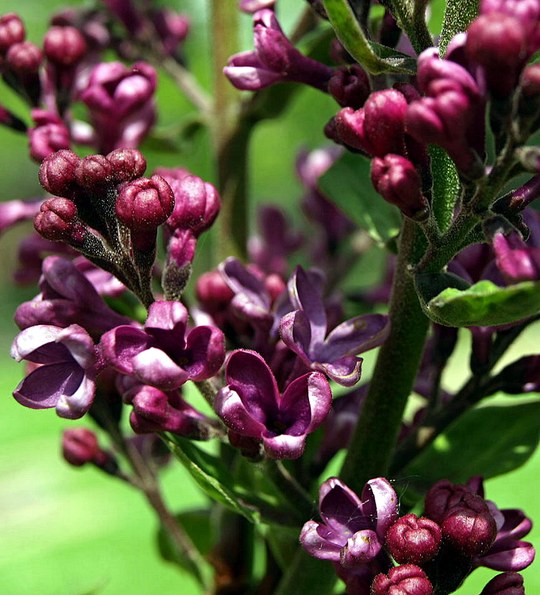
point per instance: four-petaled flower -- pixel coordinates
(305, 331)
(65, 372)
(165, 354)
(251, 405)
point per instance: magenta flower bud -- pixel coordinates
(127, 164)
(530, 81)
(57, 173)
(350, 86)
(94, 172)
(413, 540)
(497, 42)
(196, 204)
(442, 497)
(56, 219)
(407, 579)
(11, 31)
(212, 292)
(516, 261)
(80, 446)
(64, 46)
(172, 29)
(49, 135)
(470, 527)
(395, 178)
(24, 58)
(145, 203)
(384, 124)
(507, 583)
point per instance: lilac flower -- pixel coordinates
(516, 261)
(165, 354)
(66, 369)
(305, 331)
(251, 405)
(120, 101)
(352, 530)
(50, 134)
(17, 211)
(274, 60)
(452, 113)
(67, 297)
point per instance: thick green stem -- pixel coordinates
(375, 437)
(230, 133)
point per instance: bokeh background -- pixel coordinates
(65, 531)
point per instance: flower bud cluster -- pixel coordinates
(459, 531)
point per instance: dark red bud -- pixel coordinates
(274, 285)
(407, 579)
(413, 540)
(212, 291)
(24, 58)
(80, 446)
(350, 86)
(57, 172)
(441, 498)
(94, 171)
(56, 219)
(127, 164)
(470, 527)
(64, 46)
(507, 583)
(145, 203)
(11, 31)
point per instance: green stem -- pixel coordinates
(230, 134)
(375, 437)
(412, 18)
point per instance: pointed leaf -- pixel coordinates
(373, 57)
(485, 304)
(347, 184)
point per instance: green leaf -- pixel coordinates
(373, 57)
(487, 441)
(211, 475)
(485, 304)
(348, 185)
(446, 186)
(457, 17)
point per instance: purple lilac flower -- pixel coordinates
(165, 354)
(352, 530)
(67, 297)
(49, 134)
(66, 369)
(120, 101)
(251, 405)
(17, 211)
(305, 331)
(452, 112)
(274, 60)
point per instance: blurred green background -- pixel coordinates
(73, 532)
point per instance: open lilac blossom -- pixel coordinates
(120, 102)
(67, 297)
(305, 331)
(165, 354)
(516, 261)
(274, 59)
(66, 369)
(251, 405)
(352, 530)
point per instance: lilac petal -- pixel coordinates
(295, 332)
(516, 524)
(79, 344)
(356, 335)
(31, 339)
(166, 315)
(74, 406)
(519, 556)
(380, 502)
(205, 347)
(250, 78)
(313, 540)
(153, 366)
(306, 295)
(230, 407)
(341, 509)
(361, 548)
(345, 371)
(307, 401)
(249, 375)
(284, 446)
(43, 387)
(120, 345)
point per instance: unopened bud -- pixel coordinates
(94, 171)
(507, 583)
(145, 203)
(406, 579)
(24, 58)
(350, 86)
(413, 540)
(57, 173)
(57, 219)
(127, 164)
(11, 31)
(64, 46)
